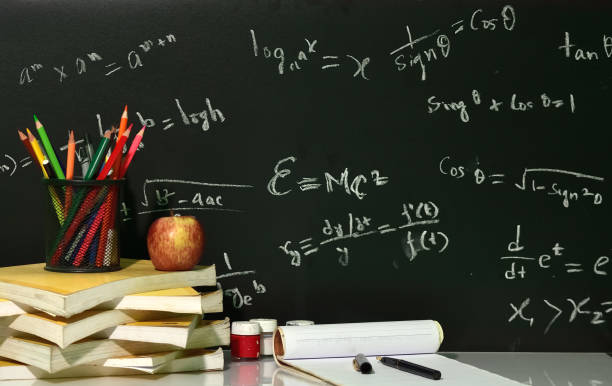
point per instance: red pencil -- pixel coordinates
(122, 125)
(131, 152)
(26, 142)
(116, 151)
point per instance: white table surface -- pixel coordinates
(537, 369)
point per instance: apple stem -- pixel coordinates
(171, 212)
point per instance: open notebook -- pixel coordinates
(325, 352)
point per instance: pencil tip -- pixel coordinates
(22, 136)
(37, 122)
(107, 134)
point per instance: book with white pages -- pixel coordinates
(212, 302)
(185, 300)
(210, 361)
(175, 330)
(142, 361)
(38, 352)
(65, 331)
(201, 359)
(10, 308)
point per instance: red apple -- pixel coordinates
(175, 243)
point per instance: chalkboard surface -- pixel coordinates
(349, 160)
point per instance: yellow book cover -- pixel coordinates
(66, 294)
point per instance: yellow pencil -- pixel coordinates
(39, 155)
(57, 204)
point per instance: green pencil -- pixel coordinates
(99, 154)
(49, 149)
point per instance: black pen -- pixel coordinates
(412, 368)
(362, 364)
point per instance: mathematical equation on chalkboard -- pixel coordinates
(299, 58)
(205, 118)
(281, 184)
(92, 63)
(420, 234)
(593, 312)
(548, 260)
(513, 103)
(241, 295)
(551, 264)
(566, 186)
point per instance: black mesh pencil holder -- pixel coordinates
(82, 225)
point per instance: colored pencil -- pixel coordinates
(93, 250)
(91, 232)
(38, 152)
(78, 240)
(70, 158)
(113, 130)
(44, 166)
(115, 154)
(26, 142)
(105, 245)
(122, 125)
(76, 215)
(57, 203)
(112, 257)
(78, 211)
(133, 147)
(69, 171)
(49, 149)
(95, 162)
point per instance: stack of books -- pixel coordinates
(132, 321)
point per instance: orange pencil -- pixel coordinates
(116, 151)
(70, 160)
(133, 147)
(122, 125)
